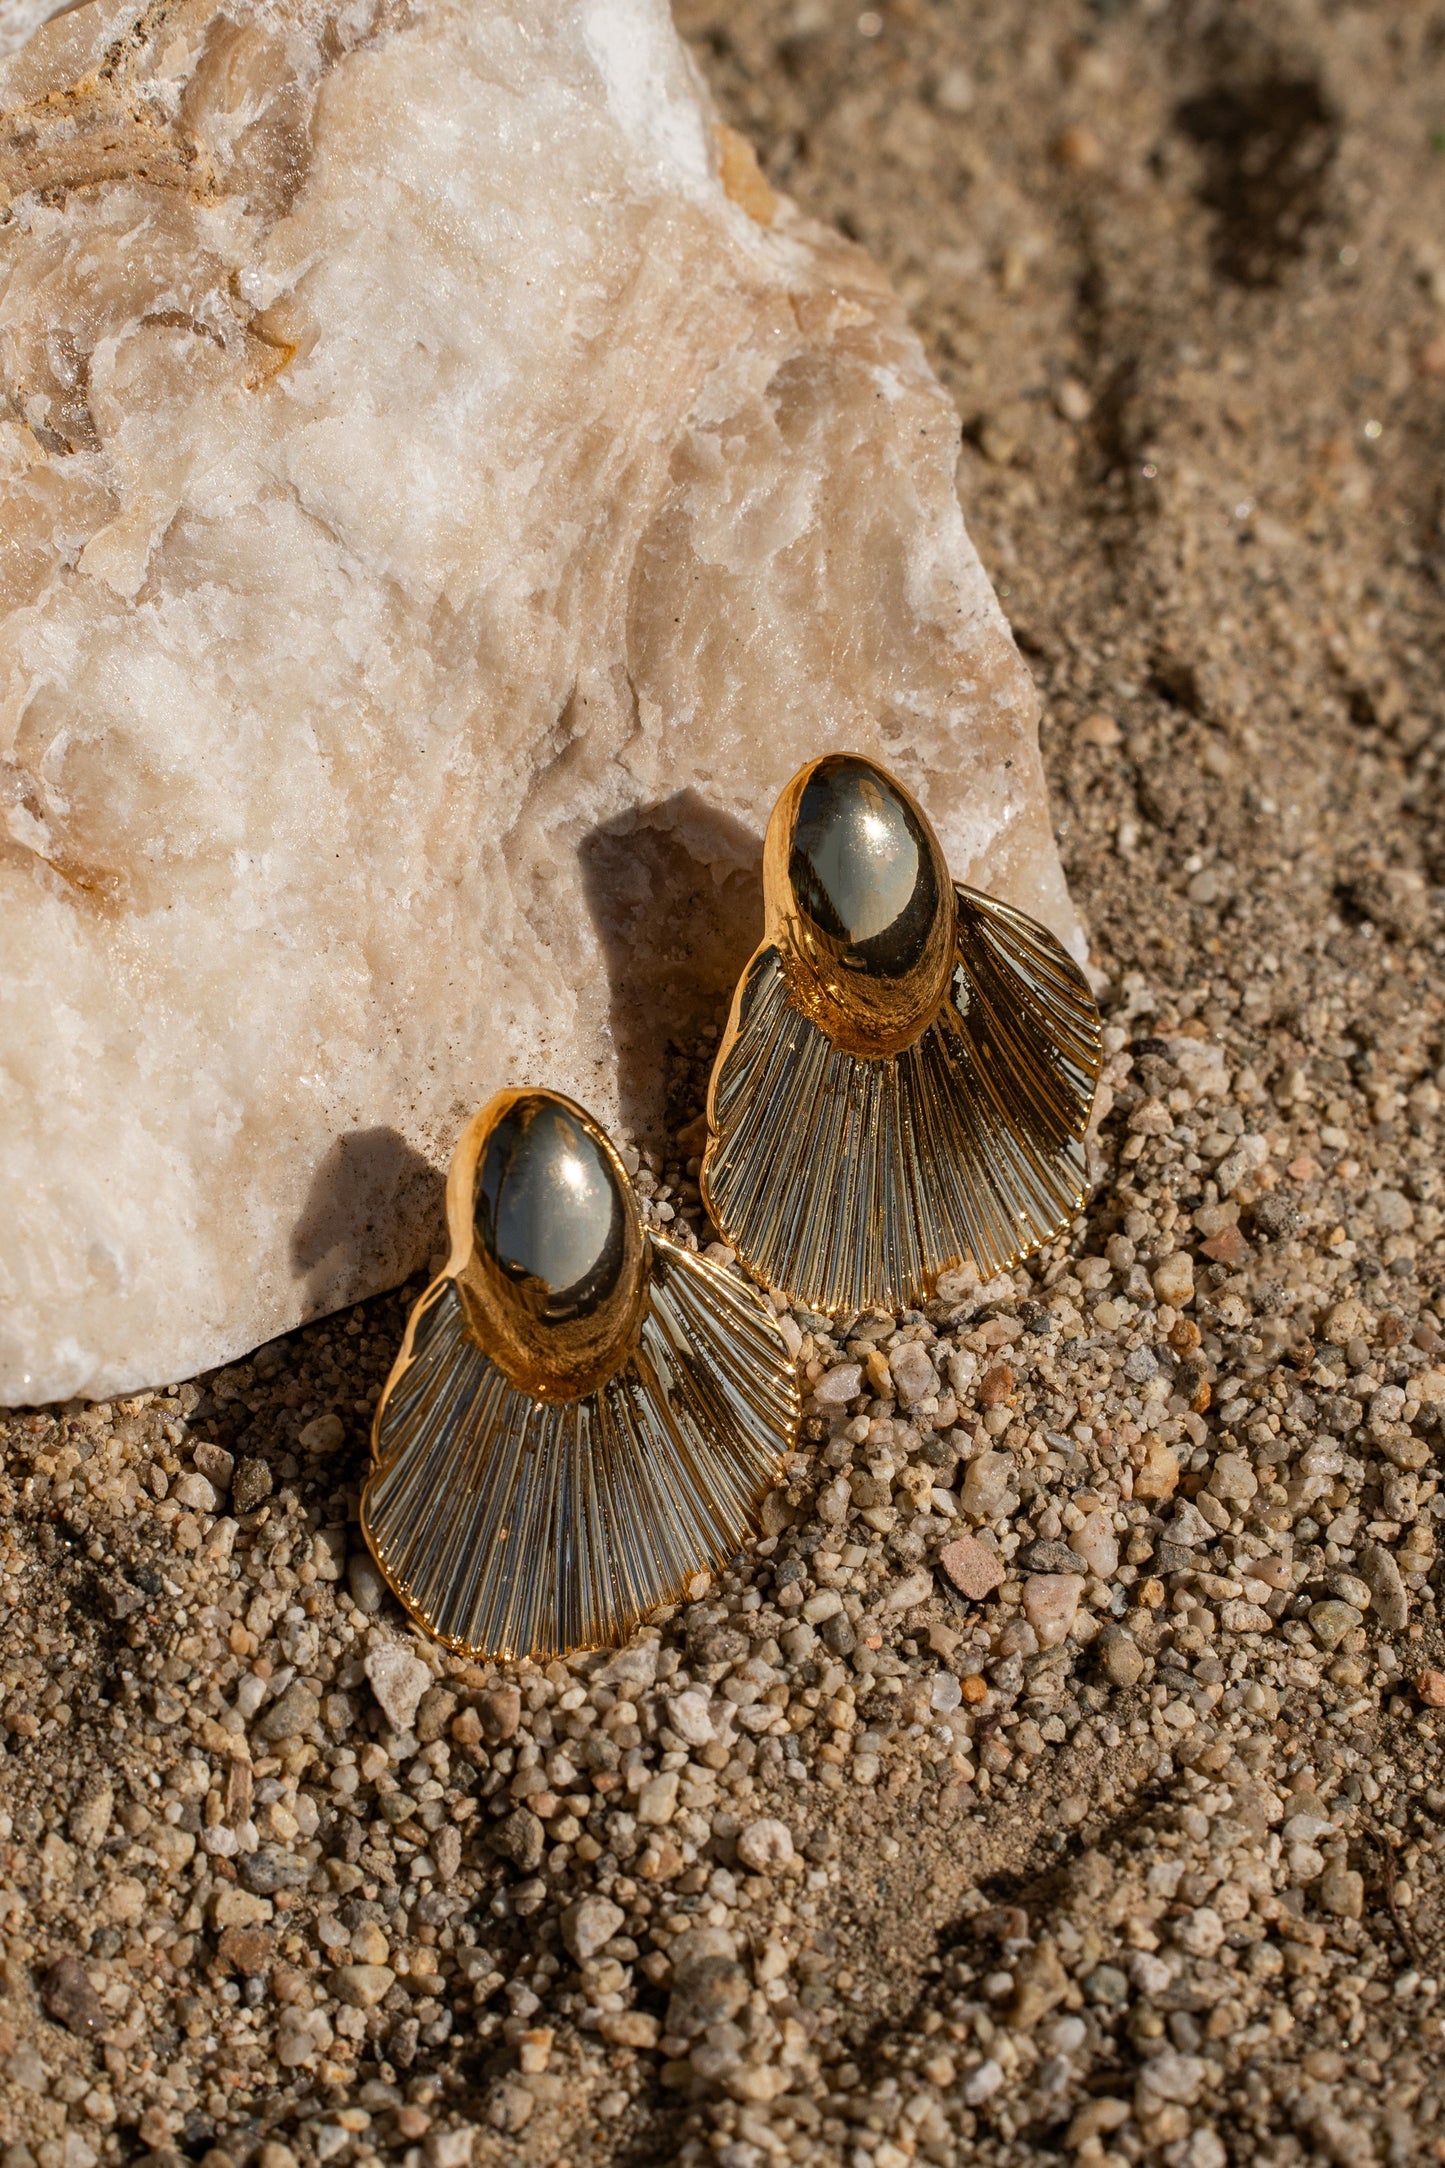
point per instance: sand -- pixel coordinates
(1133, 1852)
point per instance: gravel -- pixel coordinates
(1060, 1772)
(1078, 1762)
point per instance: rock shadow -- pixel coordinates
(675, 892)
(376, 1211)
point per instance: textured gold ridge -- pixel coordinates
(510, 1526)
(848, 1181)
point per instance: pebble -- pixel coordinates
(233, 1907)
(1381, 1577)
(1200, 1932)
(251, 1484)
(631, 2029)
(1233, 1480)
(27, 2069)
(1172, 2076)
(823, 1604)
(361, 1986)
(534, 2050)
(981, 2083)
(912, 1589)
(1157, 1476)
(1189, 1526)
(1173, 1280)
(657, 1801)
(521, 1838)
(1120, 1656)
(365, 1582)
(290, 1715)
(709, 1986)
(1106, 1985)
(1350, 1589)
(195, 1491)
(457, 2148)
(323, 1434)
(300, 2036)
(1236, 1169)
(589, 1924)
(88, 1822)
(1040, 1983)
(986, 1486)
(913, 1373)
(1342, 1892)
(510, 2108)
(500, 1712)
(766, 1845)
(214, 1462)
(67, 1995)
(398, 1678)
(973, 1568)
(1071, 399)
(690, 1716)
(996, 1387)
(1331, 1620)
(369, 1945)
(1096, 2119)
(839, 1385)
(1051, 1603)
(1096, 1543)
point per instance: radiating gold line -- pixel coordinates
(849, 1181)
(513, 1527)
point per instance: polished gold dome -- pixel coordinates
(552, 1281)
(859, 903)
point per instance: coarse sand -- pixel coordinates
(1060, 1774)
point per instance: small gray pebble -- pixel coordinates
(291, 1714)
(251, 1483)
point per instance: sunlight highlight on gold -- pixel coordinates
(582, 1417)
(908, 1070)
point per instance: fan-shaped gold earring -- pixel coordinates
(909, 1066)
(582, 1416)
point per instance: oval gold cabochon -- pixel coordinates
(552, 1281)
(860, 904)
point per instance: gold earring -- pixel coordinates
(908, 1070)
(583, 1415)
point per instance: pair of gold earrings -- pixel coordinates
(584, 1415)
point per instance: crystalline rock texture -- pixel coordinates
(444, 495)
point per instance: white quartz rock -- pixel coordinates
(19, 18)
(444, 496)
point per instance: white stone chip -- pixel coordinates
(690, 1715)
(913, 1374)
(398, 1679)
(587, 1925)
(766, 1845)
(836, 1387)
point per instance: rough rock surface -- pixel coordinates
(446, 493)
(19, 19)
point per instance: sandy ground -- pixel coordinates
(1061, 1774)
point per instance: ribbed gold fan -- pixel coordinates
(513, 1522)
(849, 1180)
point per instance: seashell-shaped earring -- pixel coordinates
(908, 1069)
(583, 1415)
